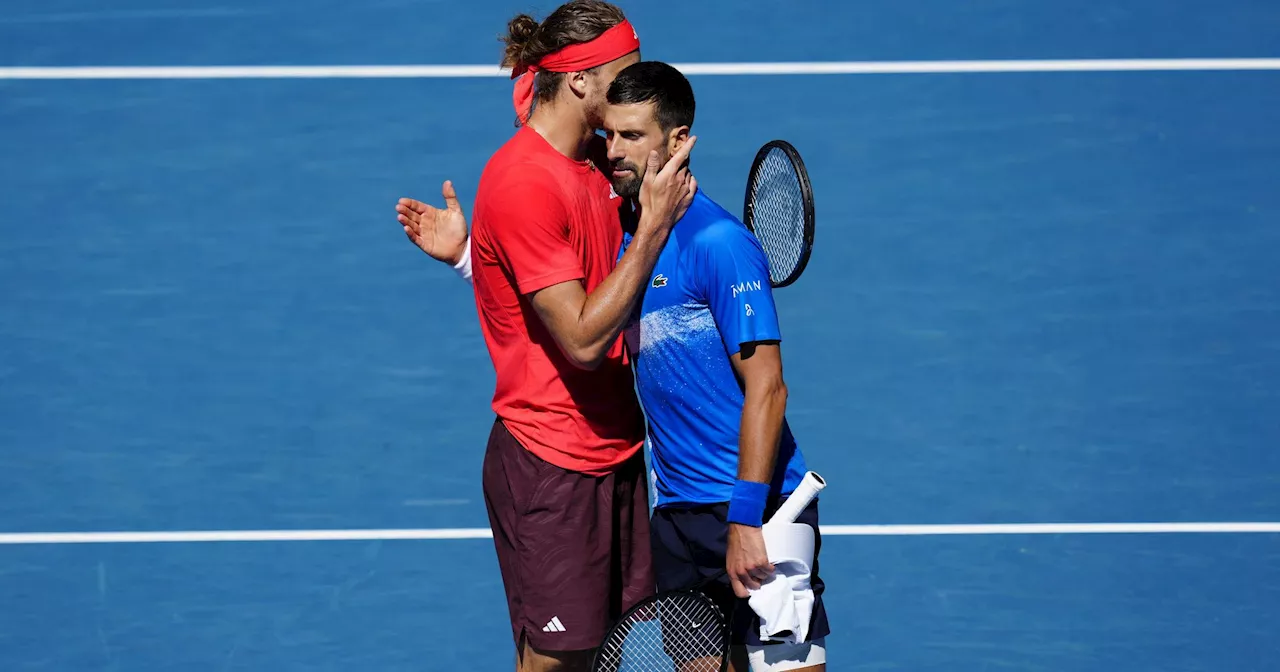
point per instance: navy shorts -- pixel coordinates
(689, 545)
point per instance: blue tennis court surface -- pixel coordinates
(1034, 298)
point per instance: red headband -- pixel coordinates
(612, 44)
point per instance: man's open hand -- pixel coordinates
(442, 234)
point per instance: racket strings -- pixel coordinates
(680, 632)
(779, 214)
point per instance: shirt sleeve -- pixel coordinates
(530, 230)
(733, 276)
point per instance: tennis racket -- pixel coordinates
(779, 210)
(684, 630)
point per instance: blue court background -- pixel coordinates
(1034, 298)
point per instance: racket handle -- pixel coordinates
(796, 503)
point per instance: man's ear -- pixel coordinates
(577, 82)
(676, 139)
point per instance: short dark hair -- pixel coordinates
(574, 22)
(659, 83)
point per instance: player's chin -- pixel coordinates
(628, 185)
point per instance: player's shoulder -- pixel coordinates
(511, 193)
(523, 157)
(519, 177)
(516, 170)
(714, 227)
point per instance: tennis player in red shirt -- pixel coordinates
(564, 476)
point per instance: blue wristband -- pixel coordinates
(746, 507)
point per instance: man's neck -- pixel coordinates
(563, 127)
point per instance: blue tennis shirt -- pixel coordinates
(709, 294)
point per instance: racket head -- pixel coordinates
(778, 210)
(676, 631)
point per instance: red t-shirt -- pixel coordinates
(541, 219)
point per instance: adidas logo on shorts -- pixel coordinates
(554, 625)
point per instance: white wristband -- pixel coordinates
(463, 267)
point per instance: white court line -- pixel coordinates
(798, 68)
(1048, 528)
(36, 538)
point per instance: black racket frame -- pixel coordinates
(806, 197)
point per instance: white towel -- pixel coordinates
(784, 602)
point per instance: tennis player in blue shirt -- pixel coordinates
(705, 347)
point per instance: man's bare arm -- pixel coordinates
(759, 366)
(586, 325)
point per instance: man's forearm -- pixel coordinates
(606, 309)
(761, 432)
(586, 325)
(763, 411)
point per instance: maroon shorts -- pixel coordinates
(573, 549)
